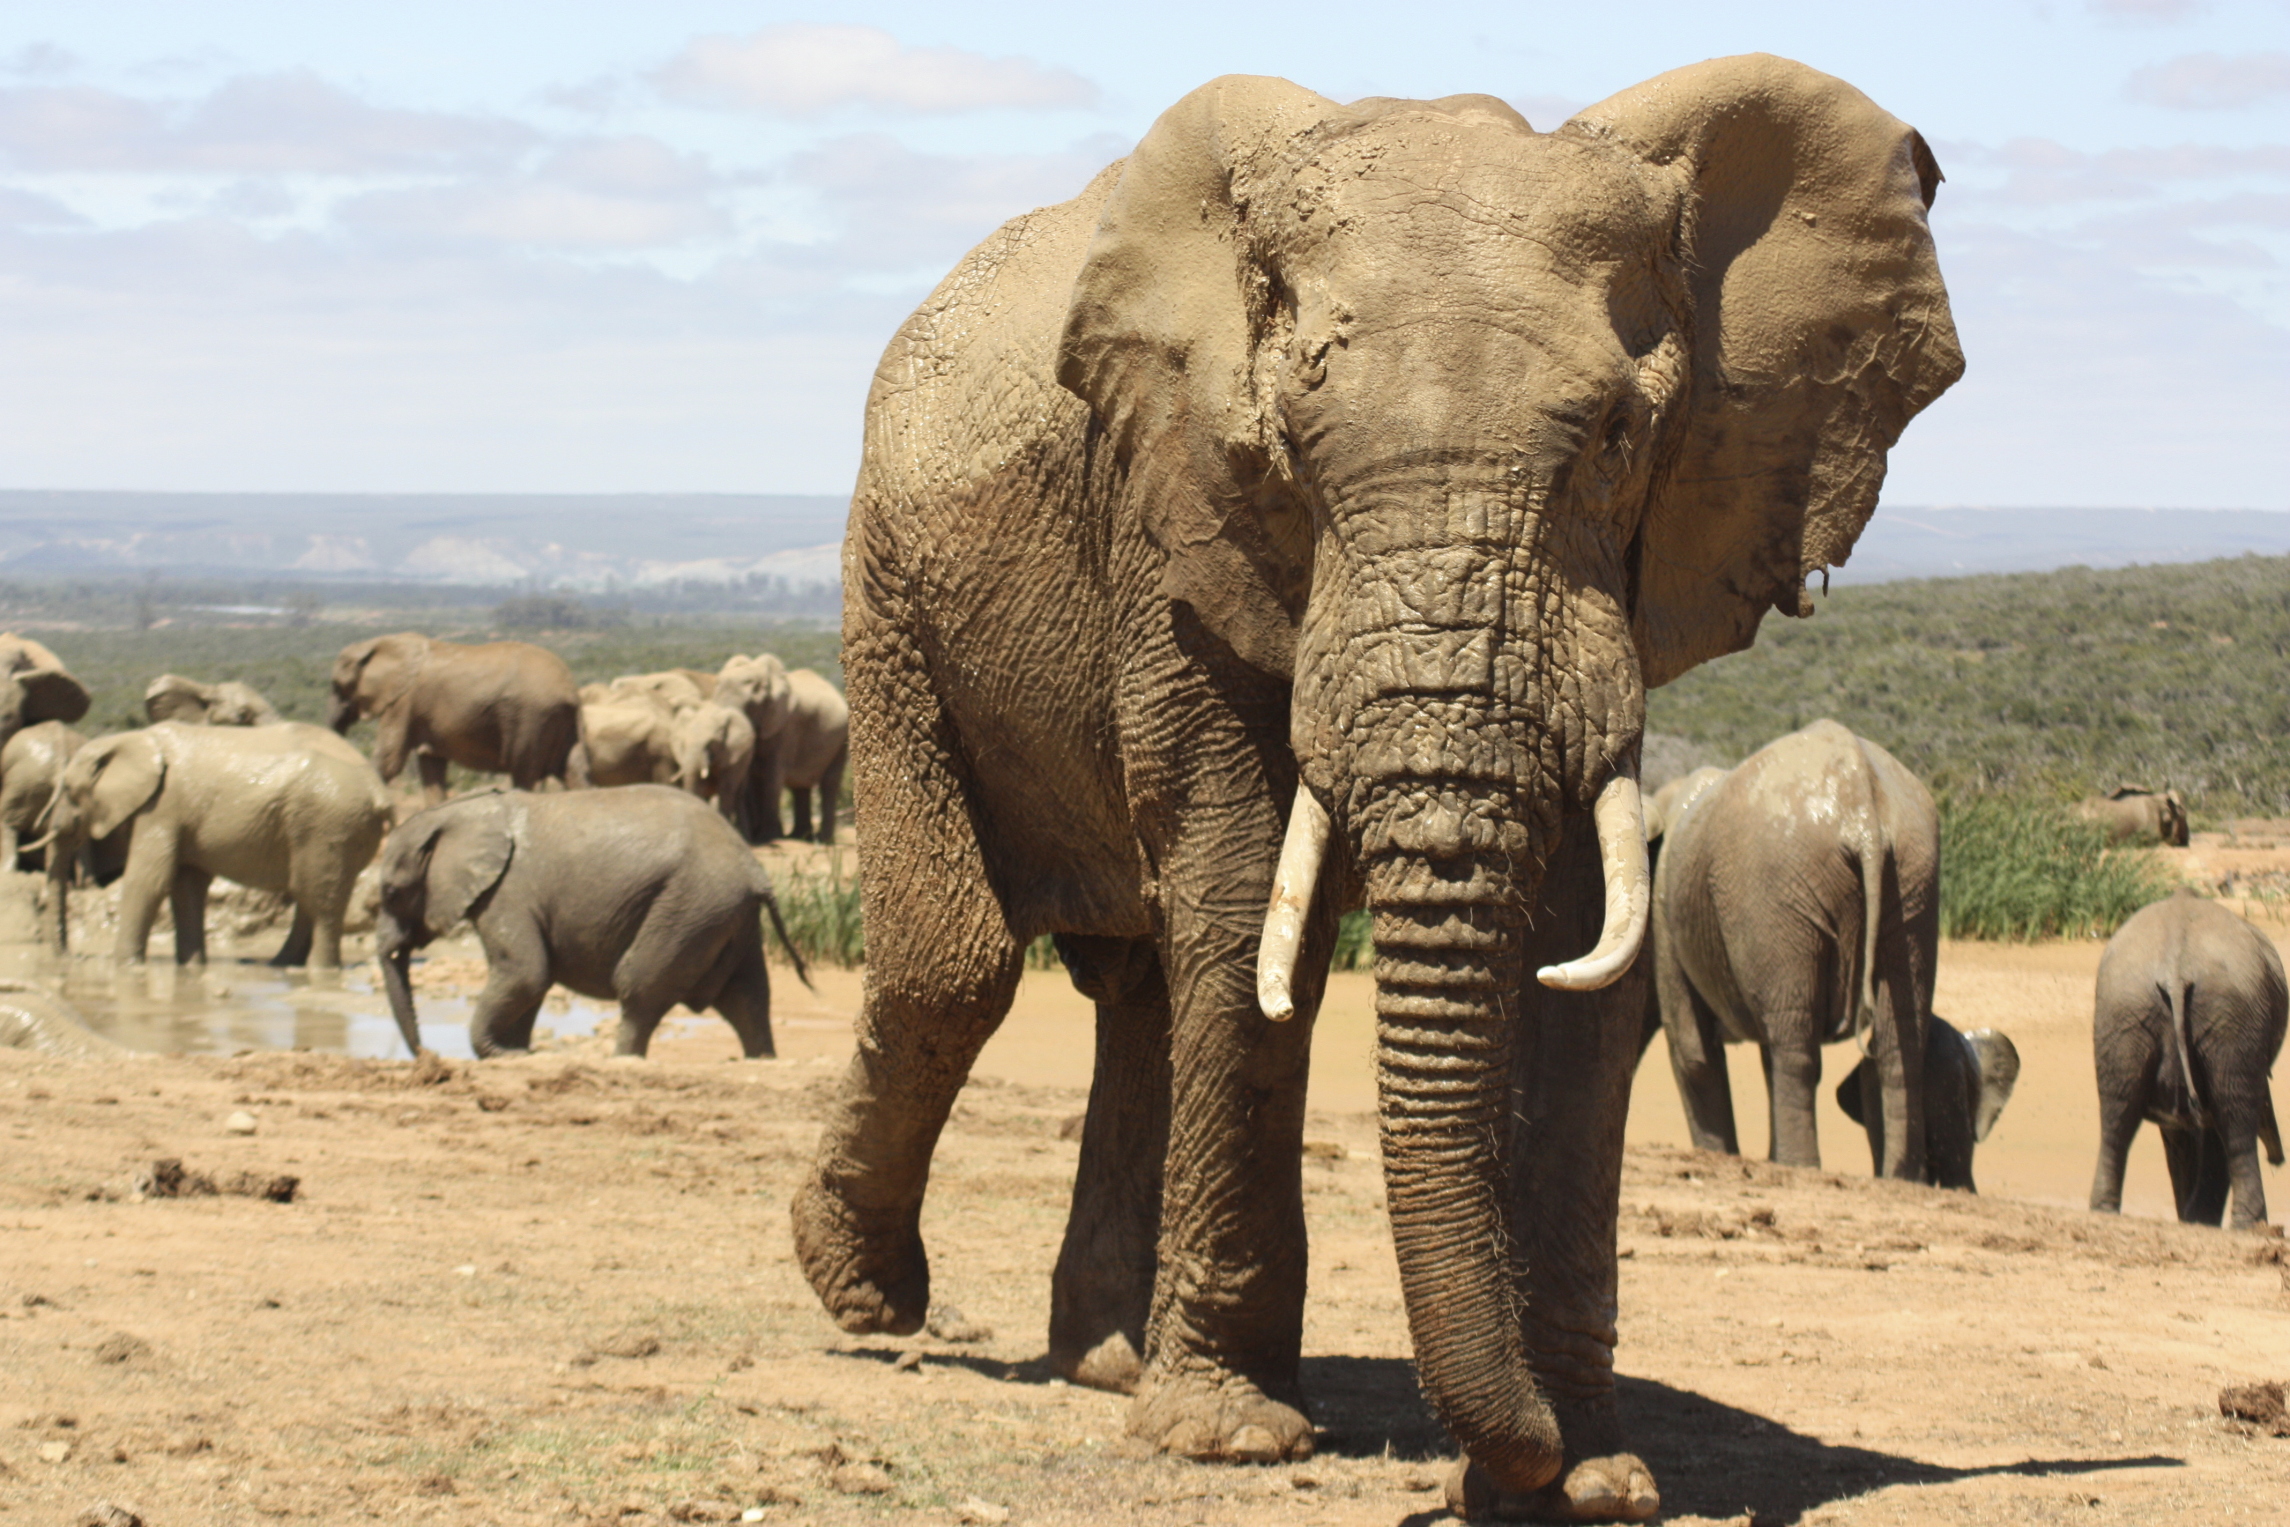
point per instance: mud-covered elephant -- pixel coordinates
(1968, 1078)
(35, 687)
(31, 767)
(287, 808)
(715, 749)
(2136, 814)
(757, 688)
(1796, 904)
(627, 737)
(171, 697)
(804, 757)
(2186, 1025)
(500, 707)
(642, 896)
(1397, 447)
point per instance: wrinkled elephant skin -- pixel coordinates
(1387, 451)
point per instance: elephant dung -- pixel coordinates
(2258, 1405)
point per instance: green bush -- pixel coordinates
(2018, 869)
(822, 912)
(1355, 943)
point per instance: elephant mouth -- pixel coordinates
(1618, 815)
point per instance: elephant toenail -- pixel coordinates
(1254, 1444)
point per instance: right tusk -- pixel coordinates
(1292, 885)
(1621, 825)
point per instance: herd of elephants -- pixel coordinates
(1290, 523)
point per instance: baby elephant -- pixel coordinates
(640, 894)
(1968, 1078)
(2189, 1018)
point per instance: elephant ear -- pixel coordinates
(50, 694)
(467, 857)
(1997, 1060)
(171, 697)
(117, 777)
(1160, 342)
(1820, 327)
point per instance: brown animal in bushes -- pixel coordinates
(2135, 814)
(1293, 520)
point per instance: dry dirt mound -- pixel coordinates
(559, 1290)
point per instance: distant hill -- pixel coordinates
(2056, 683)
(575, 541)
(600, 542)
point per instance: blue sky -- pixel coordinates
(505, 246)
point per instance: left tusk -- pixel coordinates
(1621, 827)
(1292, 883)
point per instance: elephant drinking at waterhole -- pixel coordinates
(1293, 521)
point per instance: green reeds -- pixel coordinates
(2015, 869)
(822, 912)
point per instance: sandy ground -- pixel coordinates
(559, 1289)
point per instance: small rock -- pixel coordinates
(861, 1479)
(240, 1123)
(107, 1514)
(1325, 1150)
(907, 1361)
(703, 1511)
(630, 1344)
(1071, 1127)
(119, 1347)
(949, 1324)
(55, 1452)
(2262, 1405)
(981, 1513)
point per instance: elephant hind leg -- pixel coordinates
(296, 949)
(744, 1000)
(1102, 1293)
(2197, 1160)
(942, 968)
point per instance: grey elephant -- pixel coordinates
(627, 737)
(1293, 520)
(171, 697)
(757, 688)
(31, 764)
(501, 707)
(804, 758)
(642, 896)
(2136, 814)
(35, 687)
(715, 749)
(1796, 904)
(1968, 1078)
(2187, 1022)
(287, 808)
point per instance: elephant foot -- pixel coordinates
(1112, 1365)
(1219, 1419)
(871, 1277)
(1615, 1488)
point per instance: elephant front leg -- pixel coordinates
(188, 901)
(149, 876)
(517, 978)
(1226, 1332)
(1101, 1296)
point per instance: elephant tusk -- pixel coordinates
(1621, 827)
(1292, 885)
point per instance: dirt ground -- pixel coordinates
(559, 1289)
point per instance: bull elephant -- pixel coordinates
(287, 808)
(171, 697)
(501, 707)
(1968, 1078)
(1796, 904)
(2187, 1022)
(2135, 814)
(1293, 520)
(35, 687)
(643, 896)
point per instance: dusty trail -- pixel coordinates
(559, 1289)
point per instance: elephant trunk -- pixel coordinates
(1449, 966)
(397, 963)
(341, 712)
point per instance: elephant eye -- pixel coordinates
(1614, 441)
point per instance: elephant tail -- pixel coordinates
(2268, 1130)
(795, 955)
(1872, 851)
(2178, 992)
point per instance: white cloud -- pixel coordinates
(895, 207)
(39, 60)
(2212, 81)
(291, 123)
(803, 69)
(27, 209)
(2161, 12)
